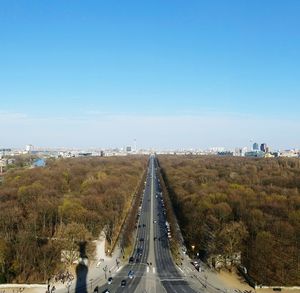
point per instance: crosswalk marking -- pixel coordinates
(153, 270)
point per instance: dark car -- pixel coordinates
(109, 280)
(131, 259)
(141, 239)
(123, 283)
(96, 290)
(105, 291)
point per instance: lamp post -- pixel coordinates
(205, 277)
(68, 285)
(193, 249)
(105, 271)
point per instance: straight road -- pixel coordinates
(170, 277)
(141, 250)
(153, 267)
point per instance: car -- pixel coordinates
(154, 221)
(96, 290)
(144, 225)
(109, 280)
(105, 291)
(141, 239)
(137, 260)
(139, 226)
(131, 259)
(139, 250)
(131, 274)
(123, 283)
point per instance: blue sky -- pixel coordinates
(169, 73)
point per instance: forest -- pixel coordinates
(229, 204)
(53, 209)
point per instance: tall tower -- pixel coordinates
(134, 145)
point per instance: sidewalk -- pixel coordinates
(96, 273)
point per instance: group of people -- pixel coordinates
(17, 290)
(51, 289)
(64, 277)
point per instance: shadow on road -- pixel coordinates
(81, 270)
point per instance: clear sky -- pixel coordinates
(169, 73)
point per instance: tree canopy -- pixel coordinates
(52, 209)
(231, 204)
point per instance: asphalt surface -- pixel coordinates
(153, 267)
(141, 250)
(169, 275)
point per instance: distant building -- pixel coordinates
(289, 154)
(3, 164)
(255, 154)
(128, 149)
(84, 154)
(263, 147)
(255, 146)
(5, 152)
(225, 154)
(29, 148)
(238, 152)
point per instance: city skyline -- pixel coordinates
(169, 75)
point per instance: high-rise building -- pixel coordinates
(263, 147)
(255, 146)
(29, 148)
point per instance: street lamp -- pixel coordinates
(193, 248)
(68, 285)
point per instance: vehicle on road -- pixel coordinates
(123, 283)
(109, 280)
(131, 259)
(141, 239)
(105, 291)
(131, 274)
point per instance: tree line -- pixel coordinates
(226, 205)
(48, 211)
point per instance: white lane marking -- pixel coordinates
(147, 269)
(153, 270)
(180, 269)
